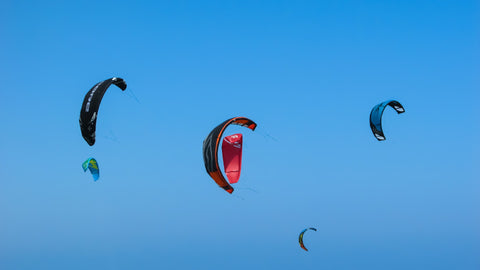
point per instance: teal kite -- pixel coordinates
(92, 165)
(300, 237)
(376, 117)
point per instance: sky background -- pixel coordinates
(307, 72)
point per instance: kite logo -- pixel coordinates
(87, 107)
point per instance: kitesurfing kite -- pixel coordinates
(92, 165)
(300, 238)
(91, 103)
(376, 117)
(210, 150)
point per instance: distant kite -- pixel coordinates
(91, 103)
(92, 165)
(376, 117)
(210, 149)
(300, 238)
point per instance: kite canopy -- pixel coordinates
(376, 117)
(92, 165)
(91, 103)
(210, 149)
(232, 157)
(300, 237)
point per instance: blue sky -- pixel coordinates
(308, 72)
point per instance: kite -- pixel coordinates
(210, 149)
(376, 117)
(91, 103)
(92, 165)
(300, 238)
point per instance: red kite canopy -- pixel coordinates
(232, 157)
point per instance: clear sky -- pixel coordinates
(308, 72)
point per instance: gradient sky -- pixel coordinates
(308, 72)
